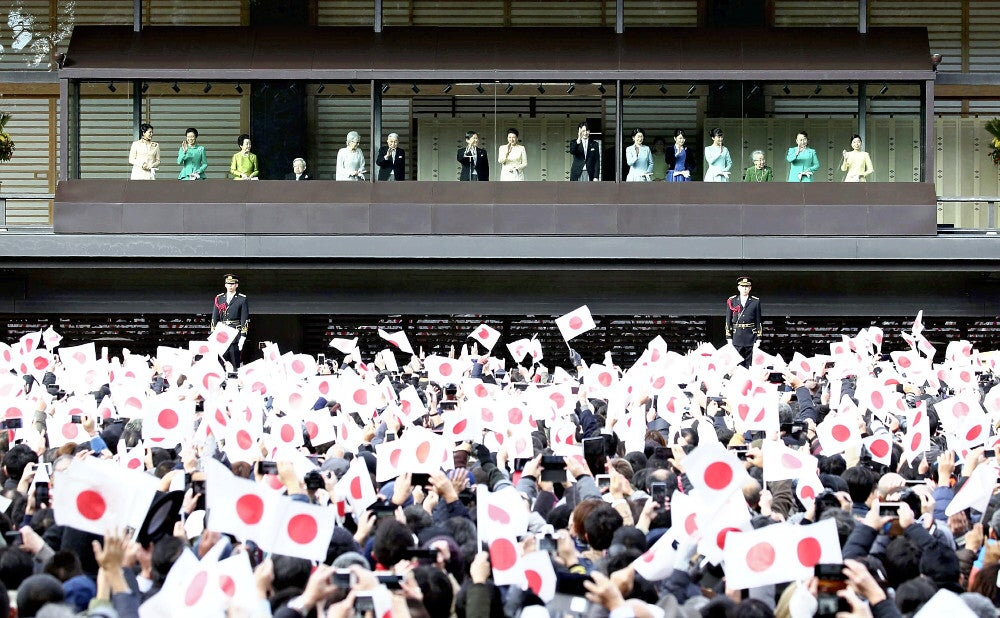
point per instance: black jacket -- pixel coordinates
(591, 159)
(482, 164)
(387, 166)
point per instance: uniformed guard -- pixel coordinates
(232, 309)
(743, 321)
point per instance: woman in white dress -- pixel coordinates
(350, 160)
(144, 156)
(512, 158)
(717, 159)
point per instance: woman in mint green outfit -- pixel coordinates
(804, 162)
(191, 157)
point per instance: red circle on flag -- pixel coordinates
(483, 333)
(534, 580)
(659, 383)
(718, 475)
(503, 555)
(445, 369)
(760, 557)
(394, 457)
(133, 402)
(919, 416)
(423, 451)
(918, 438)
(227, 585)
(356, 491)
(298, 366)
(243, 439)
(209, 376)
(808, 493)
(965, 376)
(877, 399)
(790, 461)
(961, 409)
(250, 509)
(481, 391)
(406, 406)
(743, 410)
(295, 399)
(302, 528)
(287, 433)
(324, 387)
(313, 429)
(91, 504)
(879, 448)
(487, 415)
(167, 419)
(974, 433)
(809, 551)
(576, 322)
(515, 416)
(361, 397)
(80, 357)
(558, 398)
(460, 427)
(904, 362)
(655, 355)
(720, 539)
(840, 433)
(691, 524)
(196, 588)
(134, 463)
(70, 431)
(41, 362)
(604, 379)
(498, 514)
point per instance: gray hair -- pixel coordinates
(353, 136)
(297, 159)
(392, 135)
(753, 155)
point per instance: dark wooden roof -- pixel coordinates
(529, 54)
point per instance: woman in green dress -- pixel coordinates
(244, 163)
(191, 157)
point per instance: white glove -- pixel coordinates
(239, 344)
(729, 341)
(685, 551)
(756, 344)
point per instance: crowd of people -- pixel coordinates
(490, 482)
(676, 164)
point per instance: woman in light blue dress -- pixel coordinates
(639, 159)
(717, 159)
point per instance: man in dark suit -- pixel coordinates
(391, 160)
(475, 163)
(586, 155)
(233, 310)
(743, 321)
(298, 171)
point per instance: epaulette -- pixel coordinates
(754, 298)
(243, 295)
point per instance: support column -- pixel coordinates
(619, 129)
(927, 131)
(376, 124)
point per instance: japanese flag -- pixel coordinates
(954, 410)
(779, 553)
(539, 575)
(397, 339)
(319, 427)
(51, 338)
(575, 323)
(958, 352)
(880, 447)
(356, 486)
(715, 529)
(459, 427)
(189, 589)
(807, 488)
(486, 335)
(96, 495)
(917, 439)
(443, 370)
(303, 530)
(299, 366)
(838, 432)
(500, 514)
(781, 462)
(238, 506)
(62, 430)
(221, 338)
(976, 492)
(411, 406)
(519, 349)
(504, 559)
(344, 346)
(168, 420)
(287, 431)
(715, 472)
(29, 342)
(658, 561)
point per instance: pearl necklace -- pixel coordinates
(758, 175)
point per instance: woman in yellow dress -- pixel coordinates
(857, 163)
(244, 163)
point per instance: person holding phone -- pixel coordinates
(743, 320)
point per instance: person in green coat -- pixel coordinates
(803, 159)
(191, 157)
(244, 163)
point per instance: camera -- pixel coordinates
(267, 467)
(314, 480)
(547, 542)
(830, 579)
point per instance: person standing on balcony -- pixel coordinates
(391, 160)
(191, 157)
(144, 156)
(244, 163)
(857, 163)
(586, 155)
(512, 157)
(350, 159)
(718, 162)
(233, 310)
(475, 162)
(743, 321)
(639, 159)
(679, 159)
(803, 159)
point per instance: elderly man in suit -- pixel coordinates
(475, 163)
(298, 171)
(586, 154)
(391, 160)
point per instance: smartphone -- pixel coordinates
(740, 450)
(75, 418)
(547, 542)
(889, 509)
(392, 582)
(13, 538)
(321, 359)
(343, 579)
(658, 493)
(267, 467)
(915, 482)
(830, 579)
(519, 463)
(776, 377)
(791, 427)
(553, 469)
(419, 479)
(594, 453)
(390, 437)
(663, 452)
(13, 423)
(418, 553)
(603, 481)
(383, 509)
(364, 603)
(41, 494)
(990, 453)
